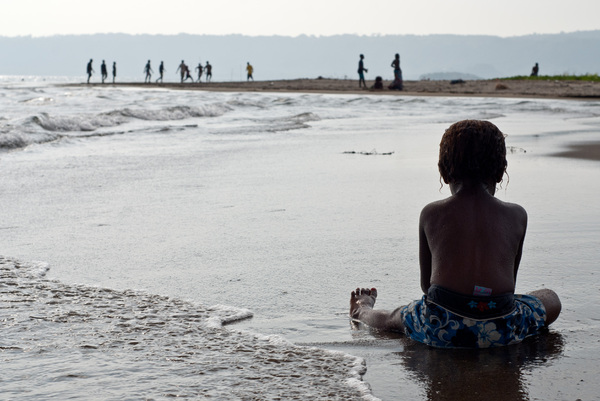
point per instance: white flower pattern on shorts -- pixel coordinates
(432, 324)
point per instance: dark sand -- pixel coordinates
(588, 151)
(518, 88)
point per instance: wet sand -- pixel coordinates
(587, 151)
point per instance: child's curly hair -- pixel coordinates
(472, 149)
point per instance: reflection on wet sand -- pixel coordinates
(465, 374)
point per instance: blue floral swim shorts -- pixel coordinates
(430, 323)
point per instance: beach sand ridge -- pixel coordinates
(496, 88)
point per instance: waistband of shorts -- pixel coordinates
(473, 306)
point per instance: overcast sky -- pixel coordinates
(292, 18)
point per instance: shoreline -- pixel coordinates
(560, 90)
(576, 90)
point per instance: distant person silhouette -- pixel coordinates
(361, 72)
(378, 83)
(161, 71)
(103, 71)
(397, 84)
(114, 71)
(200, 69)
(249, 70)
(188, 74)
(90, 70)
(208, 70)
(148, 71)
(182, 69)
(535, 70)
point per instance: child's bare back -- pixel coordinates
(470, 247)
(471, 239)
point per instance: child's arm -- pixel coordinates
(424, 255)
(520, 249)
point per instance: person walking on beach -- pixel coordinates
(161, 71)
(148, 71)
(470, 247)
(208, 70)
(249, 71)
(535, 70)
(114, 71)
(89, 70)
(103, 71)
(397, 84)
(188, 74)
(182, 69)
(200, 69)
(361, 72)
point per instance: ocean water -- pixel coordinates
(159, 243)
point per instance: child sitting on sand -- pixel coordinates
(470, 247)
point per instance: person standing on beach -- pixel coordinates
(361, 72)
(148, 71)
(114, 71)
(470, 247)
(397, 84)
(535, 70)
(89, 70)
(200, 69)
(103, 71)
(249, 70)
(161, 71)
(208, 70)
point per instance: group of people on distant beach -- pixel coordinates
(103, 70)
(183, 69)
(397, 84)
(185, 73)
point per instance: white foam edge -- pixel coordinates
(359, 366)
(30, 269)
(226, 314)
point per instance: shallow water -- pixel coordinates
(149, 205)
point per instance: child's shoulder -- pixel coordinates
(434, 208)
(515, 209)
(453, 205)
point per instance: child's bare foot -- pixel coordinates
(362, 298)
